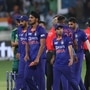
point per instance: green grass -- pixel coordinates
(6, 66)
(83, 70)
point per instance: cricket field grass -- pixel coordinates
(7, 65)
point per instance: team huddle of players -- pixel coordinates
(58, 54)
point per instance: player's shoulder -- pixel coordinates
(66, 38)
(81, 30)
(40, 29)
(15, 29)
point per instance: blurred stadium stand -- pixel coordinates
(46, 8)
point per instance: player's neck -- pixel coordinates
(25, 28)
(34, 27)
(59, 37)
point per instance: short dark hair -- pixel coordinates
(72, 19)
(55, 16)
(60, 18)
(42, 22)
(58, 26)
(35, 14)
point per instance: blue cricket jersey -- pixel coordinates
(62, 54)
(67, 31)
(34, 42)
(79, 38)
(22, 40)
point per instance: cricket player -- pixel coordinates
(22, 41)
(63, 59)
(78, 40)
(35, 67)
(51, 35)
(14, 38)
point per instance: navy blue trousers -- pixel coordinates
(67, 73)
(20, 81)
(35, 76)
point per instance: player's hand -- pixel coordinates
(34, 63)
(70, 62)
(18, 56)
(26, 58)
(52, 61)
(75, 59)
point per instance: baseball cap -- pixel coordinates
(17, 17)
(23, 18)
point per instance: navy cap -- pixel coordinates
(58, 26)
(17, 17)
(23, 18)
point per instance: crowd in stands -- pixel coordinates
(46, 8)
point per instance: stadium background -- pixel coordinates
(47, 9)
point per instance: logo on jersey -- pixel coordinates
(42, 35)
(29, 33)
(76, 35)
(56, 43)
(35, 34)
(62, 42)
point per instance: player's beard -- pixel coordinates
(32, 23)
(23, 26)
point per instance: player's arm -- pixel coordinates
(54, 53)
(26, 52)
(70, 49)
(53, 58)
(41, 49)
(13, 39)
(14, 43)
(88, 44)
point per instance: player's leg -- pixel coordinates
(64, 83)
(20, 82)
(15, 65)
(40, 75)
(56, 79)
(67, 72)
(49, 76)
(49, 69)
(82, 87)
(29, 77)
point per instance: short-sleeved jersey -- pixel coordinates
(79, 37)
(52, 34)
(14, 37)
(22, 40)
(62, 53)
(34, 42)
(67, 31)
